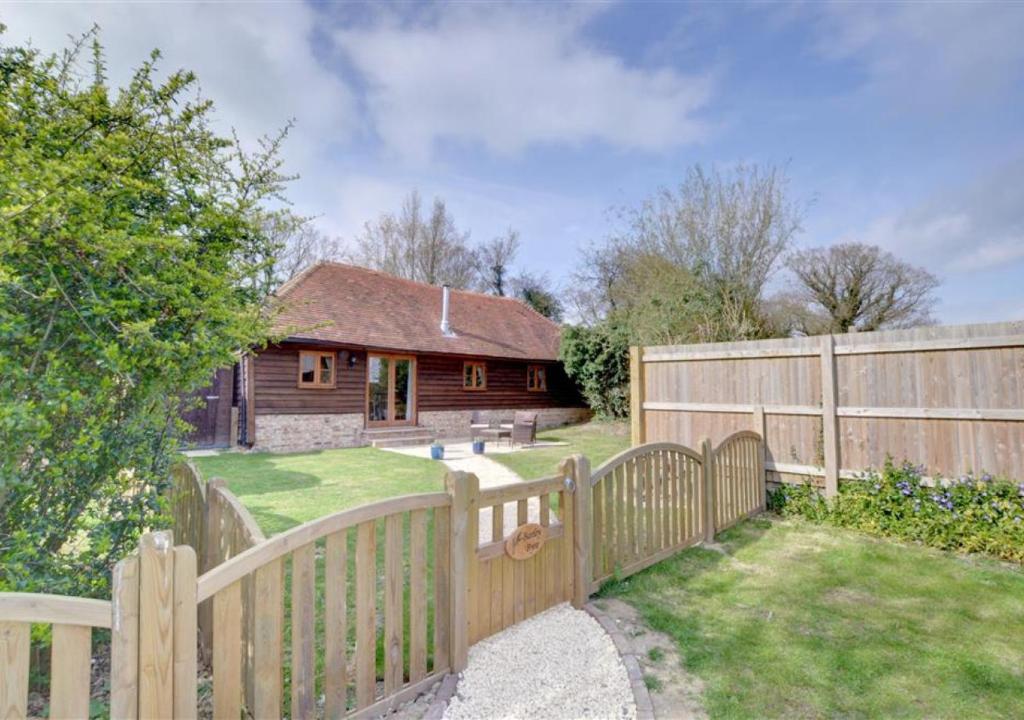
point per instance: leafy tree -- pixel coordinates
(533, 290)
(431, 250)
(597, 359)
(131, 248)
(853, 286)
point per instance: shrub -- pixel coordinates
(970, 514)
(597, 359)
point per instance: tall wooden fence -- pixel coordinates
(370, 606)
(949, 398)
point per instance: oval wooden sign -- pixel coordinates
(526, 541)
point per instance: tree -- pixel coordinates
(295, 245)
(494, 261)
(433, 251)
(533, 290)
(130, 249)
(721, 235)
(853, 286)
(597, 359)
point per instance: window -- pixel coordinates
(316, 370)
(536, 378)
(474, 376)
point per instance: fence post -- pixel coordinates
(156, 625)
(463, 488)
(761, 429)
(638, 431)
(709, 490)
(829, 420)
(124, 639)
(577, 468)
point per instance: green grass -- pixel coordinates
(597, 440)
(795, 620)
(282, 491)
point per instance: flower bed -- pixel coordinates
(971, 514)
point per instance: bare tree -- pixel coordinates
(404, 244)
(727, 231)
(862, 287)
(494, 262)
(296, 244)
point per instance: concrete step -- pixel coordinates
(422, 438)
(395, 431)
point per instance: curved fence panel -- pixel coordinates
(739, 487)
(646, 504)
(352, 606)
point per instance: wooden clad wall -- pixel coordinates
(277, 390)
(950, 398)
(440, 386)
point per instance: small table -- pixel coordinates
(497, 433)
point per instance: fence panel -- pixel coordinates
(73, 620)
(949, 398)
(371, 559)
(738, 473)
(646, 503)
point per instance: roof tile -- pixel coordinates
(333, 302)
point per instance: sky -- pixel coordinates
(900, 125)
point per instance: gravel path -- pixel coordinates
(559, 664)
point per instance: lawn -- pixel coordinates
(597, 440)
(796, 620)
(282, 491)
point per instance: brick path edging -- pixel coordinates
(440, 701)
(641, 696)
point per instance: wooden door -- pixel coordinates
(390, 390)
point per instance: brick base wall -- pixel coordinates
(454, 424)
(302, 432)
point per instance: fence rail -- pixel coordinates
(377, 602)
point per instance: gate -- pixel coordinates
(502, 590)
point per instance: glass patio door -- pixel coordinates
(390, 388)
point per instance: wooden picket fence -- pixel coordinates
(375, 603)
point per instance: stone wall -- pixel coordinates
(301, 432)
(454, 424)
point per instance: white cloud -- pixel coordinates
(928, 56)
(963, 230)
(511, 77)
(254, 60)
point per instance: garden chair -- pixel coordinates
(524, 428)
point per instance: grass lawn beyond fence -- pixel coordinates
(797, 620)
(597, 440)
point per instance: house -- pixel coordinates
(369, 358)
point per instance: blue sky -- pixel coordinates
(901, 124)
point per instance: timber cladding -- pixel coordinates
(948, 398)
(438, 384)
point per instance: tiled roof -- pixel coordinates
(346, 304)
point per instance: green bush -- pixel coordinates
(970, 514)
(597, 359)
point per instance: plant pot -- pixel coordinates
(437, 452)
(478, 447)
